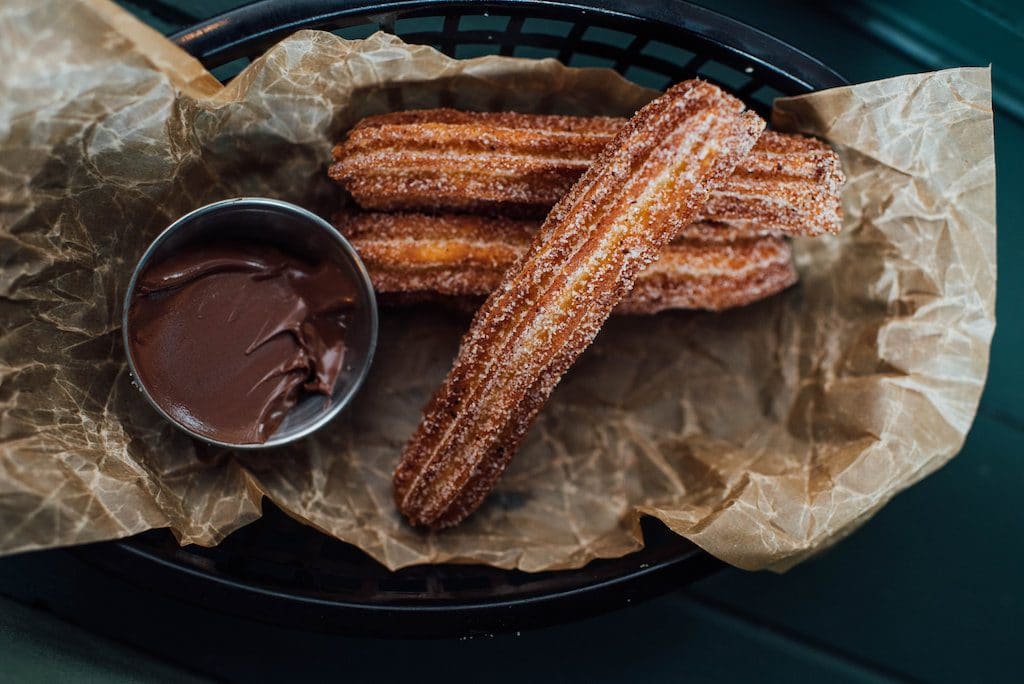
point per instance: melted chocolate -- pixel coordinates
(227, 336)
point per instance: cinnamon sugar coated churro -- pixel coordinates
(451, 254)
(521, 164)
(423, 257)
(647, 184)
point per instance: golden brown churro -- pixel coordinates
(521, 164)
(423, 257)
(648, 183)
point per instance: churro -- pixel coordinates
(521, 164)
(420, 257)
(645, 186)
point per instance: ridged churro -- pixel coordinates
(425, 257)
(521, 164)
(646, 185)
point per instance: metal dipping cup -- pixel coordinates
(303, 234)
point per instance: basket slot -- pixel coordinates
(355, 31)
(226, 72)
(549, 24)
(494, 23)
(731, 79)
(407, 25)
(424, 38)
(647, 78)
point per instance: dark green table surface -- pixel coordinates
(930, 589)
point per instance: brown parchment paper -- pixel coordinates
(763, 434)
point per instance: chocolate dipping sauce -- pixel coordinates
(227, 336)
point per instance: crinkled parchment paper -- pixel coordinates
(763, 434)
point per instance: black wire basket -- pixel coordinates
(279, 571)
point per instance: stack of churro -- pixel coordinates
(459, 258)
(504, 165)
(684, 206)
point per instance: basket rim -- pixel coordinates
(235, 33)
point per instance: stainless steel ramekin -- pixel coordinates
(300, 232)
